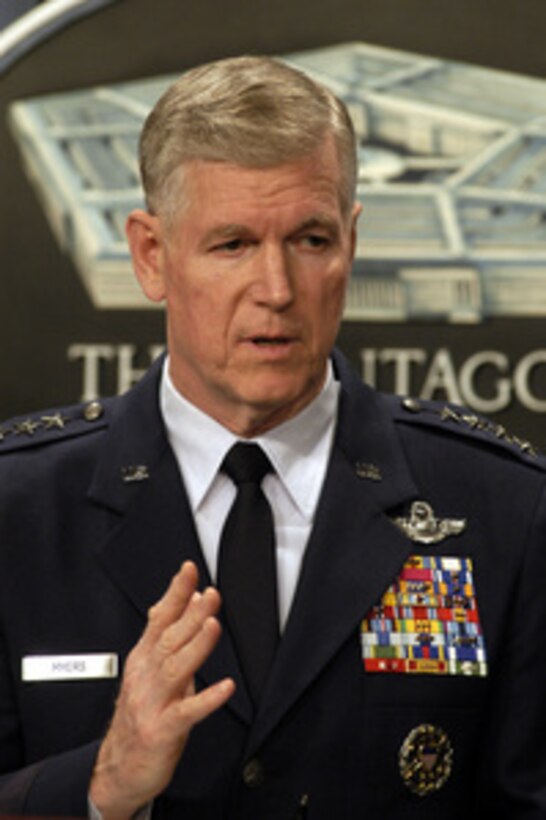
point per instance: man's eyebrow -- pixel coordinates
(319, 221)
(230, 230)
(223, 232)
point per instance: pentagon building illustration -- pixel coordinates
(452, 176)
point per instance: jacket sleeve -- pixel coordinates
(514, 766)
(58, 784)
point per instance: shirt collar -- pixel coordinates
(298, 449)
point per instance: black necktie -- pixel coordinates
(246, 566)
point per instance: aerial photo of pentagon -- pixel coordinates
(452, 176)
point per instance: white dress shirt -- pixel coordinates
(299, 451)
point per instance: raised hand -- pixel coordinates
(158, 705)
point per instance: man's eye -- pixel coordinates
(230, 246)
(233, 245)
(315, 241)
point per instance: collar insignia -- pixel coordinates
(137, 472)
(369, 471)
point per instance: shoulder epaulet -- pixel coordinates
(52, 425)
(458, 420)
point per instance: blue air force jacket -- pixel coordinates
(410, 681)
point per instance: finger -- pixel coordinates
(178, 669)
(157, 670)
(200, 607)
(191, 710)
(173, 603)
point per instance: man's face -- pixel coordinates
(254, 271)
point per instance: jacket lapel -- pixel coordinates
(354, 551)
(151, 530)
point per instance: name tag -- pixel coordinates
(69, 667)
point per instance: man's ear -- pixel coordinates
(146, 245)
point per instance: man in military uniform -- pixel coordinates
(376, 647)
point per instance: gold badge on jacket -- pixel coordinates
(427, 621)
(425, 759)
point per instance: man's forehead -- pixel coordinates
(322, 163)
(217, 194)
(230, 193)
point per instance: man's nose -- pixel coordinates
(274, 284)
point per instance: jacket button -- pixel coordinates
(93, 411)
(413, 405)
(253, 774)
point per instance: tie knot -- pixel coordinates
(246, 463)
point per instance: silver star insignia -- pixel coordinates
(56, 421)
(27, 427)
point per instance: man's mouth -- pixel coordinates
(271, 341)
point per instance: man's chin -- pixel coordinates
(282, 399)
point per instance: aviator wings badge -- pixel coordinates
(423, 527)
